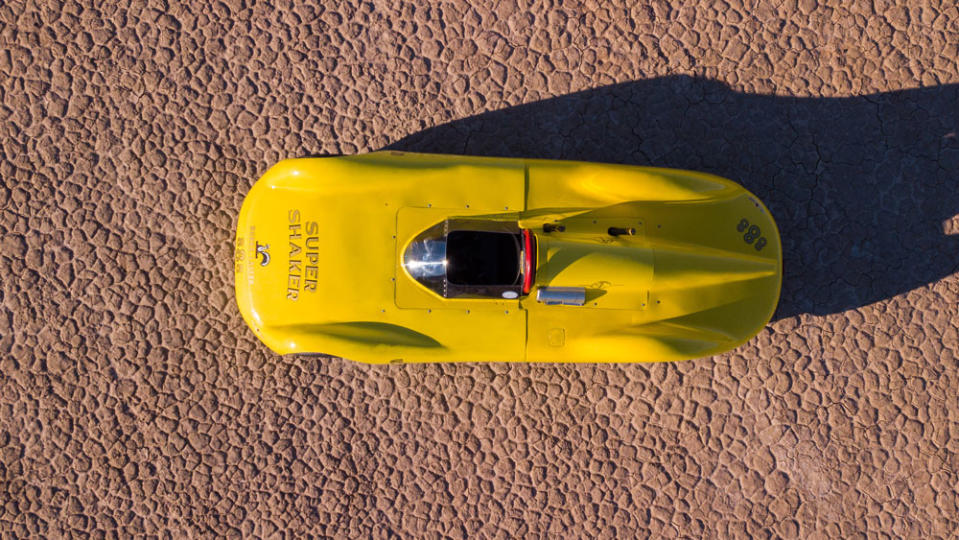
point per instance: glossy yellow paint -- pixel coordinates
(686, 284)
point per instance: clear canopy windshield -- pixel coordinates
(468, 258)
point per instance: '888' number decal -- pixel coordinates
(751, 234)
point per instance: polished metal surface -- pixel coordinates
(426, 258)
(564, 296)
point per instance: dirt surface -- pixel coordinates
(133, 398)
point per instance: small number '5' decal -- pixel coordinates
(752, 233)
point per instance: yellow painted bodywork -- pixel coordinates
(685, 285)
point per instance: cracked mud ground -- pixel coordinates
(133, 398)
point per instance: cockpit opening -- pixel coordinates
(472, 258)
(483, 258)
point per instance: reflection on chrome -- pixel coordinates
(561, 296)
(426, 258)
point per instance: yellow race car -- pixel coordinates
(402, 257)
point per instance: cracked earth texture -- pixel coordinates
(134, 399)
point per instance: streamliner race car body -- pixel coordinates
(402, 257)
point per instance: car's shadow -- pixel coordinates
(864, 188)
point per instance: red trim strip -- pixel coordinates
(527, 261)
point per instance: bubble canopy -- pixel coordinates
(470, 258)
